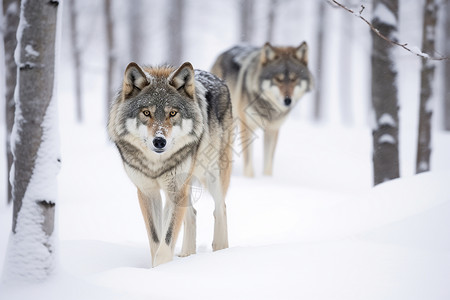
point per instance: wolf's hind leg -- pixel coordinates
(190, 228)
(220, 240)
(151, 207)
(246, 141)
(270, 143)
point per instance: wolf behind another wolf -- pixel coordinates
(265, 84)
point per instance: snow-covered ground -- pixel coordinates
(315, 230)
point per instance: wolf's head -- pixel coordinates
(158, 108)
(284, 75)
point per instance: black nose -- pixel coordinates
(159, 142)
(287, 101)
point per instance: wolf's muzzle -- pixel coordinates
(159, 142)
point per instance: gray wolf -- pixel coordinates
(265, 84)
(170, 126)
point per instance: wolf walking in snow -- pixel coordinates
(171, 125)
(265, 84)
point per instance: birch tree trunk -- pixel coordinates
(246, 9)
(76, 55)
(447, 68)
(426, 87)
(11, 11)
(345, 63)
(111, 55)
(317, 108)
(271, 19)
(176, 32)
(384, 93)
(30, 255)
(135, 27)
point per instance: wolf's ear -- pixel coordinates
(134, 80)
(183, 80)
(268, 53)
(301, 53)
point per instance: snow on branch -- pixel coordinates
(415, 50)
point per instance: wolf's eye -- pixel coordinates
(279, 78)
(293, 76)
(173, 113)
(146, 113)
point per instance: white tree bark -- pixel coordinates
(30, 254)
(11, 11)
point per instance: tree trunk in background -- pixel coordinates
(246, 16)
(271, 20)
(111, 55)
(11, 11)
(426, 87)
(317, 108)
(384, 93)
(447, 68)
(36, 147)
(176, 32)
(76, 54)
(135, 30)
(345, 62)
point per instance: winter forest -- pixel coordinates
(357, 205)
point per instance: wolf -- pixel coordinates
(265, 84)
(171, 125)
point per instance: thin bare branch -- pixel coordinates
(417, 52)
(362, 9)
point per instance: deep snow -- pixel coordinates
(290, 237)
(315, 230)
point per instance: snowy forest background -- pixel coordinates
(317, 229)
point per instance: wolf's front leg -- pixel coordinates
(270, 143)
(151, 207)
(174, 211)
(220, 240)
(190, 232)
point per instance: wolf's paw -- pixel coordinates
(163, 254)
(219, 246)
(267, 172)
(189, 245)
(249, 173)
(185, 253)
